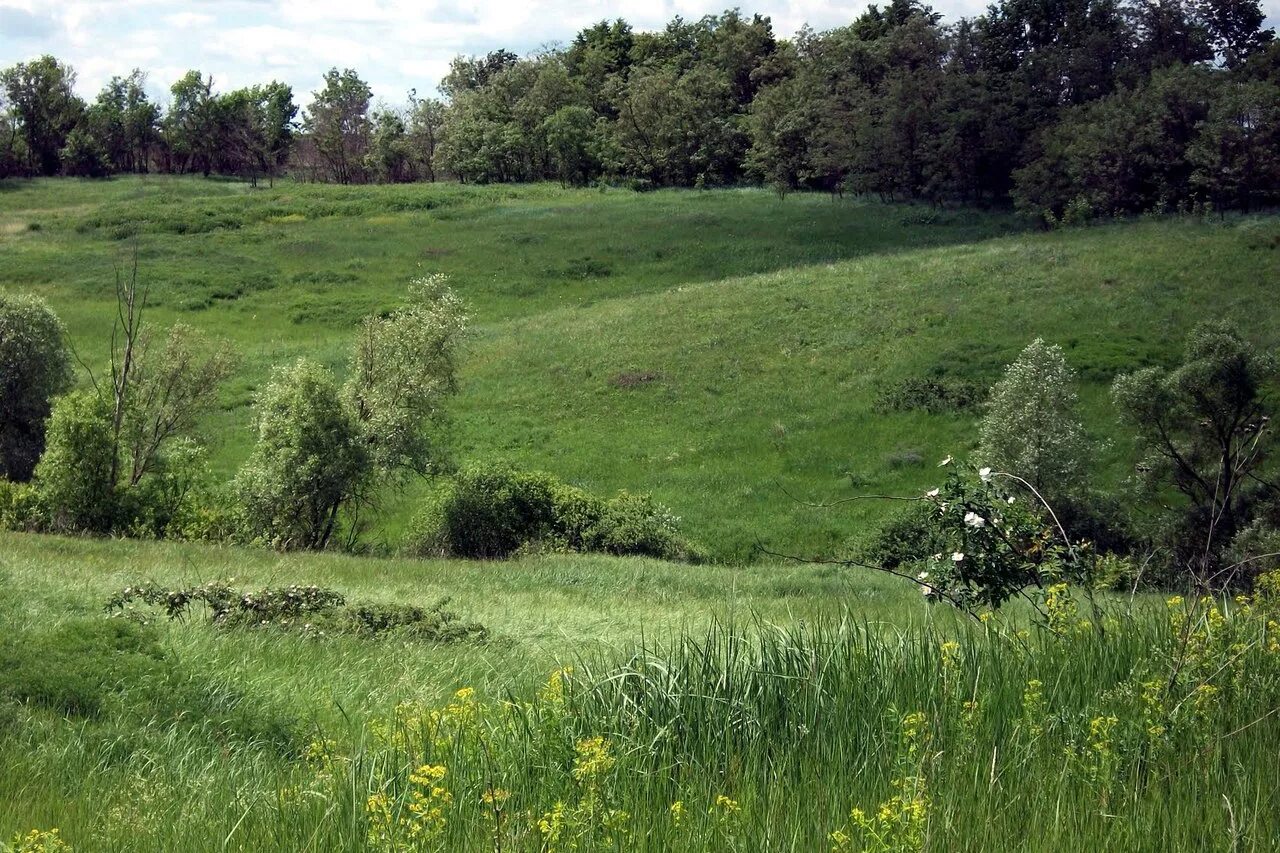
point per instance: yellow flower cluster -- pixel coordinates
(593, 759)
(1062, 614)
(39, 841)
(899, 823)
(553, 692)
(423, 815)
(725, 806)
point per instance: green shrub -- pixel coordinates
(487, 511)
(308, 462)
(977, 543)
(908, 538)
(170, 502)
(73, 481)
(638, 525)
(492, 511)
(19, 508)
(1032, 427)
(932, 395)
(35, 366)
(578, 517)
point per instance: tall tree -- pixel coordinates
(337, 121)
(254, 127)
(42, 98)
(1235, 29)
(124, 121)
(426, 124)
(191, 126)
(1204, 431)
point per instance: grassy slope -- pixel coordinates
(770, 325)
(540, 612)
(84, 775)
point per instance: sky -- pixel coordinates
(395, 45)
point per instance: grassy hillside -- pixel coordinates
(728, 351)
(721, 349)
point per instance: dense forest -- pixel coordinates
(1066, 108)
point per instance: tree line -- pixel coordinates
(1068, 108)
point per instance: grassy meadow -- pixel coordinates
(727, 351)
(624, 704)
(720, 349)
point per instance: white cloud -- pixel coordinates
(394, 44)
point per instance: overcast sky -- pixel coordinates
(396, 45)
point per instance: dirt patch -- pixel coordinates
(634, 378)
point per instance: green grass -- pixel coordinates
(767, 327)
(541, 613)
(783, 688)
(766, 330)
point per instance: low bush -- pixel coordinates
(312, 610)
(492, 511)
(638, 525)
(908, 538)
(934, 395)
(19, 509)
(74, 476)
(486, 511)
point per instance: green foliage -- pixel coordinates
(1236, 153)
(1203, 430)
(1032, 426)
(486, 511)
(19, 506)
(73, 480)
(307, 463)
(338, 122)
(932, 395)
(171, 388)
(324, 450)
(35, 366)
(1185, 137)
(637, 525)
(42, 96)
(995, 543)
(178, 499)
(1089, 112)
(310, 610)
(83, 156)
(907, 541)
(403, 370)
(491, 511)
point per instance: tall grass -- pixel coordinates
(1153, 731)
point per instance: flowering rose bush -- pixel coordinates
(994, 542)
